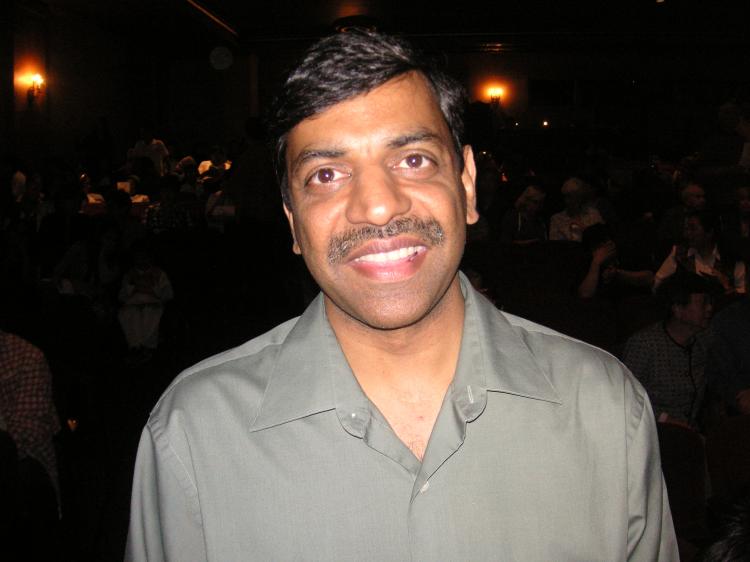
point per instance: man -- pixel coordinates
(669, 357)
(401, 416)
(579, 212)
(692, 200)
(604, 277)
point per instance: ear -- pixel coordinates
(468, 179)
(290, 217)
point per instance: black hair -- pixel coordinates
(709, 221)
(348, 64)
(677, 288)
(734, 543)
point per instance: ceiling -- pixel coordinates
(473, 25)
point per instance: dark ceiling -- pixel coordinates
(461, 24)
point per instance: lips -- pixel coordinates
(394, 259)
(392, 256)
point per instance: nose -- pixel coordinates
(376, 197)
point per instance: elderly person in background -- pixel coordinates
(579, 212)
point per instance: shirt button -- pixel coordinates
(425, 487)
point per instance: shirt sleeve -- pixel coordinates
(667, 269)
(651, 535)
(165, 515)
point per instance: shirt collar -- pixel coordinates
(311, 374)
(693, 252)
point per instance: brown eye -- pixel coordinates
(326, 175)
(414, 161)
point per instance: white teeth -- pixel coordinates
(393, 255)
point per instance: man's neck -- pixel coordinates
(406, 372)
(706, 251)
(406, 355)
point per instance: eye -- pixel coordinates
(414, 162)
(325, 175)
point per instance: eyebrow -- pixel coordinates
(314, 154)
(405, 140)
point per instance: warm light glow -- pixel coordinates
(37, 80)
(495, 92)
(545, 123)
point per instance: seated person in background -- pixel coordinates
(736, 223)
(190, 185)
(145, 289)
(692, 199)
(605, 277)
(579, 212)
(522, 225)
(669, 357)
(166, 215)
(212, 171)
(728, 368)
(27, 411)
(700, 254)
(29, 417)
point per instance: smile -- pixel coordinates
(408, 253)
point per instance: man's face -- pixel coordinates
(380, 203)
(530, 201)
(697, 312)
(693, 197)
(694, 233)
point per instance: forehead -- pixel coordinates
(403, 105)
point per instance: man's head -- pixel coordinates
(376, 188)
(576, 193)
(693, 196)
(688, 299)
(347, 65)
(701, 228)
(531, 200)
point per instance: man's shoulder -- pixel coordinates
(238, 375)
(19, 349)
(574, 366)
(544, 340)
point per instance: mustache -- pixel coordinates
(341, 245)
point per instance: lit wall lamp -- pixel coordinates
(496, 94)
(35, 88)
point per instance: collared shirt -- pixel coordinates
(701, 266)
(544, 449)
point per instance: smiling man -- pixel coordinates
(401, 417)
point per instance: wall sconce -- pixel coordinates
(35, 89)
(496, 94)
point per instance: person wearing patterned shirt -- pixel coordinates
(668, 358)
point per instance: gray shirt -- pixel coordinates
(544, 449)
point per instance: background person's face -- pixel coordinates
(693, 197)
(694, 233)
(697, 312)
(366, 166)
